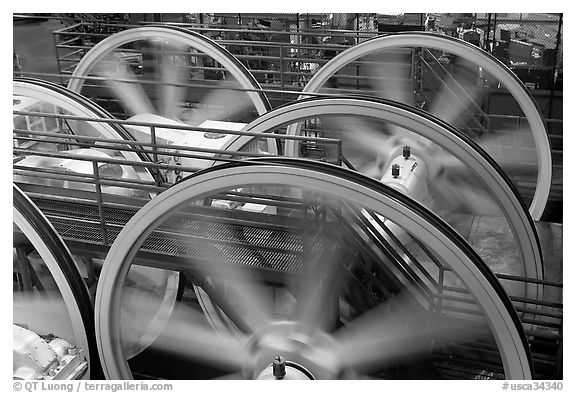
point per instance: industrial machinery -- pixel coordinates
(314, 320)
(453, 94)
(32, 95)
(366, 252)
(91, 148)
(149, 69)
(86, 141)
(192, 251)
(169, 83)
(53, 318)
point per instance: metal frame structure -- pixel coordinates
(67, 41)
(76, 105)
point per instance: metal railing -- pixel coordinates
(290, 63)
(162, 157)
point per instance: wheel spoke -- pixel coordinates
(172, 71)
(391, 81)
(319, 292)
(124, 85)
(391, 77)
(362, 142)
(187, 334)
(242, 320)
(244, 291)
(222, 102)
(454, 99)
(463, 194)
(513, 150)
(399, 328)
(196, 48)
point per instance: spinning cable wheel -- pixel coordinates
(65, 310)
(278, 193)
(453, 74)
(338, 310)
(172, 76)
(46, 97)
(486, 190)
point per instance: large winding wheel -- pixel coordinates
(309, 284)
(62, 150)
(51, 297)
(450, 79)
(445, 170)
(176, 57)
(171, 76)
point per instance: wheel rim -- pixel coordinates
(472, 54)
(79, 106)
(76, 105)
(185, 37)
(69, 101)
(328, 180)
(36, 228)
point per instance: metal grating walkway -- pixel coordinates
(187, 235)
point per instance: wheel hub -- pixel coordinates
(280, 369)
(287, 350)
